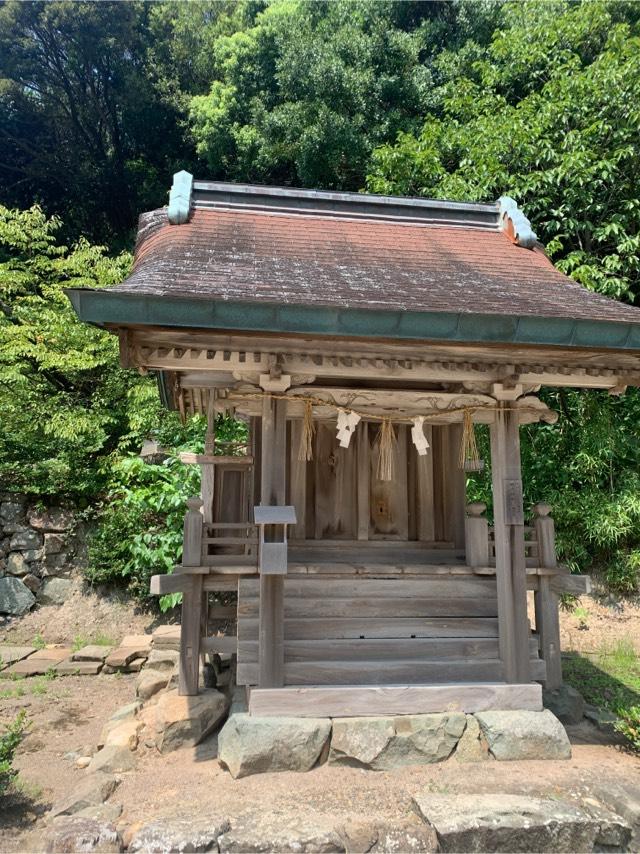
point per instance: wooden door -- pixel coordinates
(388, 500)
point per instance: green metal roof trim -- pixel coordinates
(102, 307)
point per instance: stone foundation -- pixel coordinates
(252, 745)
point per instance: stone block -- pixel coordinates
(135, 666)
(524, 735)
(12, 654)
(32, 555)
(55, 591)
(112, 759)
(92, 652)
(151, 682)
(472, 746)
(140, 642)
(52, 519)
(266, 832)
(11, 515)
(32, 582)
(70, 667)
(122, 715)
(253, 745)
(15, 597)
(163, 659)
(68, 835)
(167, 637)
(179, 834)
(186, 721)
(124, 733)
(384, 743)
(91, 790)
(23, 540)
(56, 565)
(565, 703)
(504, 822)
(17, 564)
(52, 653)
(54, 544)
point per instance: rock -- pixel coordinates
(166, 637)
(132, 646)
(11, 654)
(472, 747)
(32, 582)
(25, 540)
(15, 597)
(11, 515)
(54, 543)
(70, 835)
(91, 790)
(179, 834)
(252, 745)
(140, 642)
(614, 833)
(384, 743)
(135, 666)
(163, 659)
(502, 822)
(124, 714)
(83, 761)
(32, 555)
(186, 721)
(124, 734)
(270, 832)
(565, 703)
(623, 799)
(56, 565)
(69, 667)
(93, 652)
(406, 836)
(601, 718)
(55, 591)
(112, 759)
(150, 682)
(17, 564)
(524, 735)
(102, 812)
(52, 519)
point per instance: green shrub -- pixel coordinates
(9, 741)
(629, 725)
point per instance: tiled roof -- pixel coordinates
(314, 259)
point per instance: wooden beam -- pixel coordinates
(455, 488)
(363, 498)
(509, 545)
(190, 634)
(350, 701)
(297, 481)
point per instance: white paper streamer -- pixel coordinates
(347, 423)
(418, 437)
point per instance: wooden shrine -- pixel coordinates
(361, 339)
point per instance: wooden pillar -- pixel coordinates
(456, 488)
(546, 600)
(273, 474)
(508, 513)
(363, 485)
(192, 602)
(297, 481)
(476, 535)
(208, 470)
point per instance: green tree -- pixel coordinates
(65, 404)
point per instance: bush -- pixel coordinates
(9, 741)
(629, 725)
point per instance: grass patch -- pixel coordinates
(39, 642)
(12, 692)
(99, 639)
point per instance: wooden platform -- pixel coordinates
(373, 701)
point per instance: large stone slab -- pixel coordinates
(186, 721)
(384, 743)
(69, 835)
(266, 832)
(55, 591)
(12, 654)
(400, 836)
(112, 759)
(91, 790)
(252, 745)
(15, 597)
(565, 703)
(524, 735)
(150, 682)
(53, 519)
(179, 834)
(92, 652)
(40, 662)
(167, 637)
(502, 822)
(69, 667)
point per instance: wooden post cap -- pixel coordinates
(542, 508)
(194, 503)
(476, 508)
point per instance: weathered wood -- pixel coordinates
(192, 539)
(215, 584)
(351, 701)
(546, 598)
(335, 486)
(372, 627)
(574, 585)
(371, 589)
(373, 649)
(424, 498)
(455, 489)
(392, 608)
(389, 504)
(476, 535)
(509, 545)
(297, 481)
(378, 672)
(218, 643)
(190, 635)
(363, 479)
(161, 585)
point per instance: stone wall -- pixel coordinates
(41, 550)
